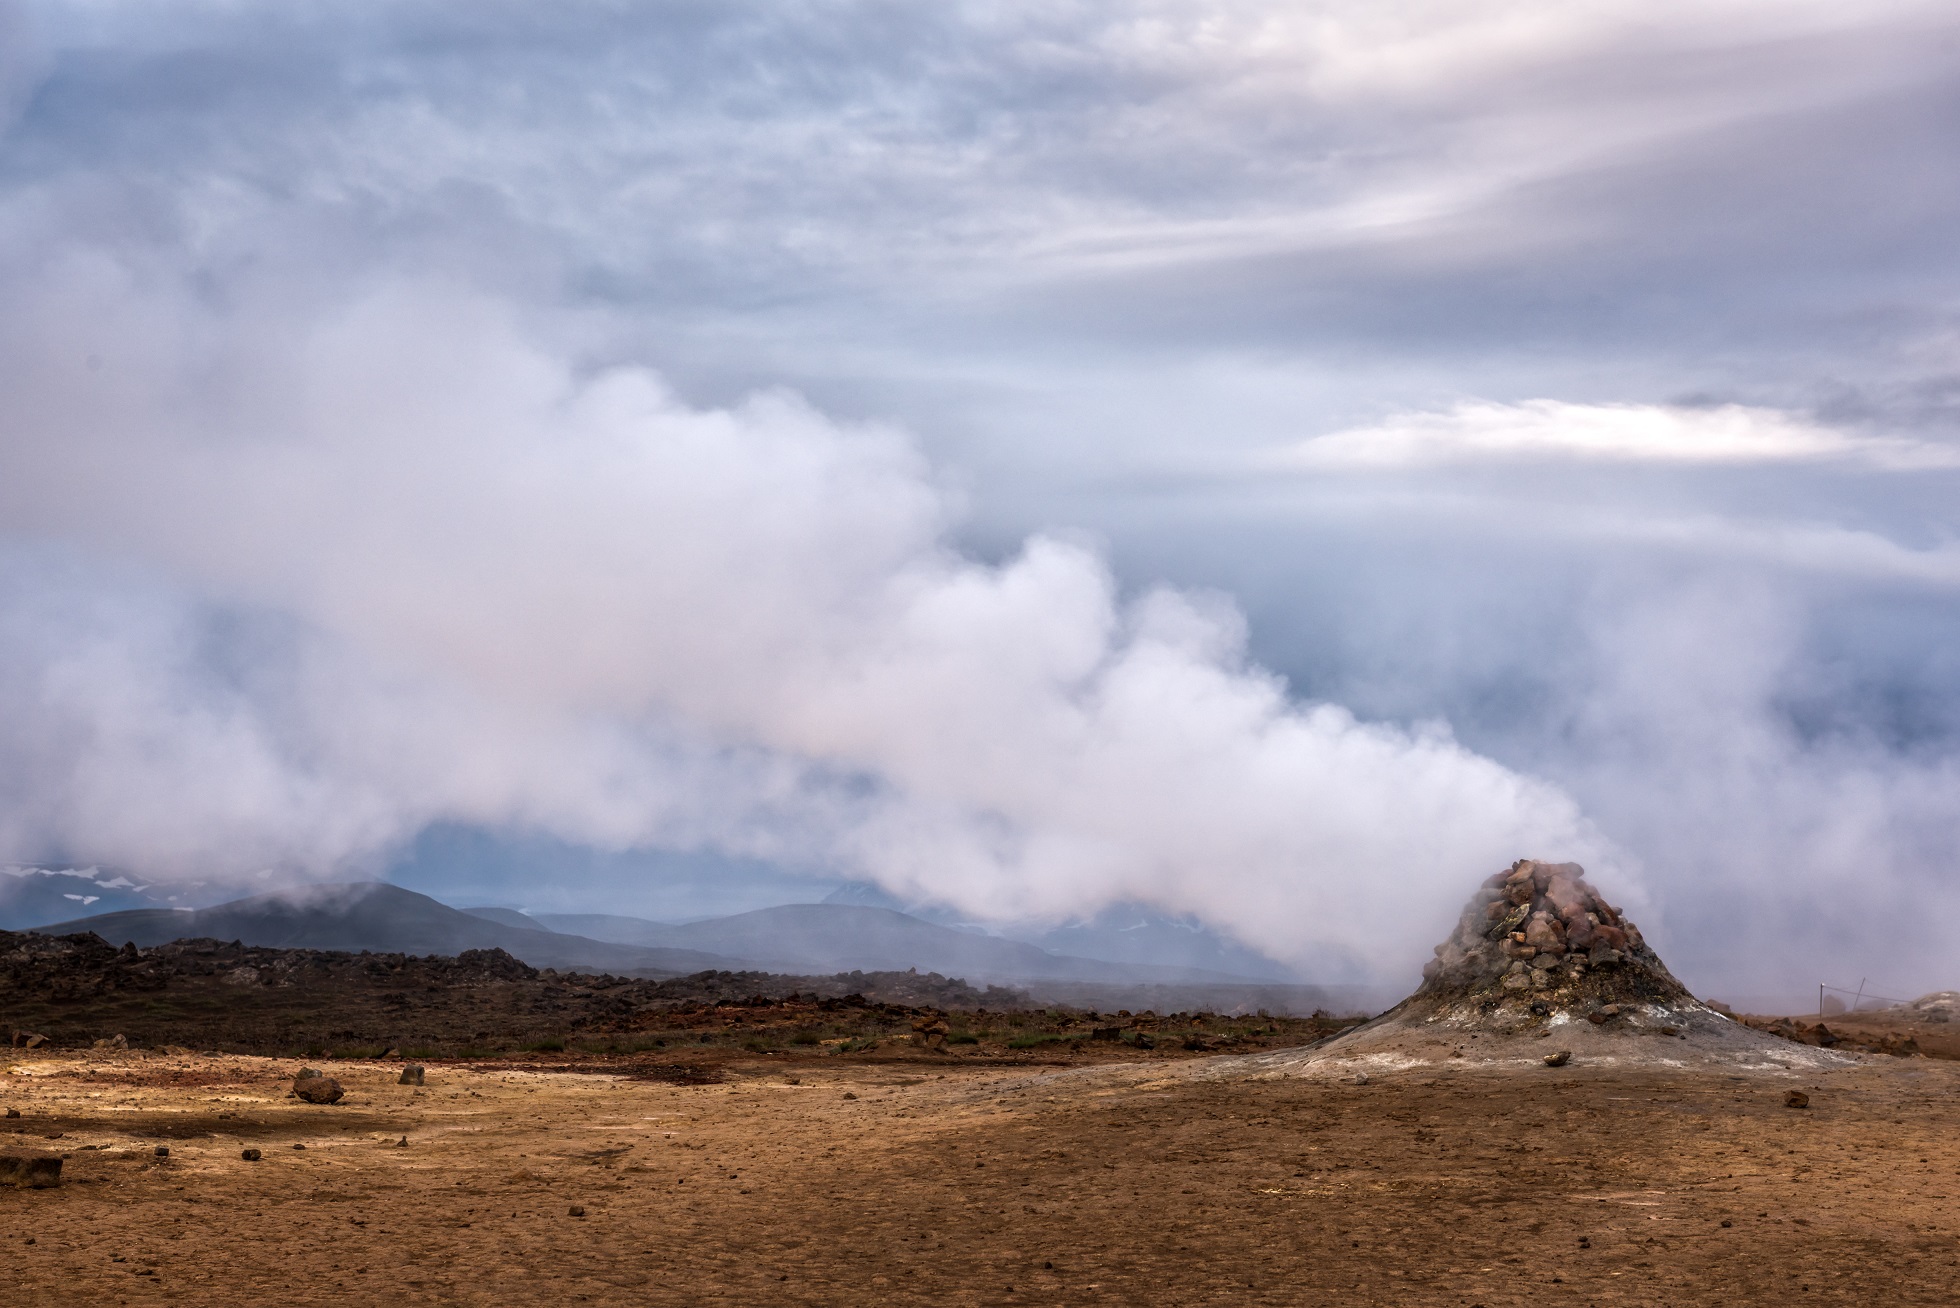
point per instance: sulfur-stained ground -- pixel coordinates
(980, 1185)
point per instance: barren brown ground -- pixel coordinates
(1936, 1039)
(979, 1185)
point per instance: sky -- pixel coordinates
(1269, 463)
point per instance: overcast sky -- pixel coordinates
(1272, 462)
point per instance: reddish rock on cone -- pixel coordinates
(1538, 937)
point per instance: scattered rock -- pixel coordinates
(577, 1210)
(317, 1089)
(307, 1073)
(30, 1171)
(1796, 1099)
(249, 1155)
(402, 1143)
(117, 1041)
(411, 1075)
(1560, 1059)
(1940, 1006)
(29, 1040)
(849, 1095)
(13, 1112)
(1823, 1037)
(163, 1151)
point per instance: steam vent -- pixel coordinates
(1543, 976)
(1537, 938)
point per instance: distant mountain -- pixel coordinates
(30, 894)
(1127, 934)
(822, 938)
(1121, 933)
(800, 939)
(609, 926)
(512, 918)
(386, 919)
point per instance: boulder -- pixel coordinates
(317, 1089)
(1544, 932)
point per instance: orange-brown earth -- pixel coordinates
(845, 1180)
(1879, 1031)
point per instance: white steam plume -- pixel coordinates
(491, 587)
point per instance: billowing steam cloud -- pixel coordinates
(1580, 376)
(459, 579)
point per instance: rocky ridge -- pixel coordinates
(71, 991)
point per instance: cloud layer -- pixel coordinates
(1613, 433)
(827, 432)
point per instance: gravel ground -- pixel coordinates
(914, 1182)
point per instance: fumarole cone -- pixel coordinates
(1543, 975)
(1538, 938)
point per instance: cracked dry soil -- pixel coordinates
(979, 1186)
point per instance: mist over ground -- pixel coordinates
(1271, 468)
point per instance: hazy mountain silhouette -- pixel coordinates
(801, 939)
(39, 894)
(1121, 933)
(824, 938)
(510, 917)
(386, 919)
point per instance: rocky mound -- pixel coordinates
(1541, 970)
(1537, 939)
